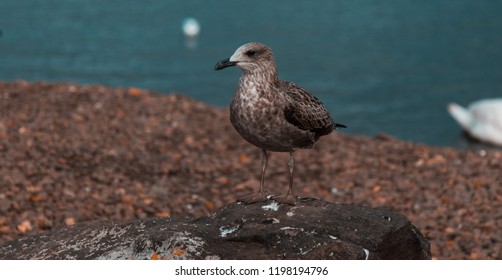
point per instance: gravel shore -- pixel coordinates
(72, 153)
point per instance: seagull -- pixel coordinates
(482, 119)
(272, 114)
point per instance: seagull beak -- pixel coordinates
(224, 64)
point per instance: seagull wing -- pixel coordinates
(306, 111)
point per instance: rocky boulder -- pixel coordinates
(311, 229)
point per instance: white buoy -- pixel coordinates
(481, 119)
(191, 27)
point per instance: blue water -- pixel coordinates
(379, 66)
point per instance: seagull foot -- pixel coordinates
(286, 199)
(253, 198)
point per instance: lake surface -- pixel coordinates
(379, 66)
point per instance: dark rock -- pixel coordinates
(312, 229)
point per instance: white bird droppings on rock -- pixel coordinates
(274, 206)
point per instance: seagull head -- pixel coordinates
(251, 57)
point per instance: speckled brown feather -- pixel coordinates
(306, 111)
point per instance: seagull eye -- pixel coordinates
(250, 53)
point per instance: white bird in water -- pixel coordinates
(191, 27)
(482, 119)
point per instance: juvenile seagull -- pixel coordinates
(273, 114)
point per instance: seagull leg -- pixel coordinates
(261, 195)
(289, 198)
(264, 162)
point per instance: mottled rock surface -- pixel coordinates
(312, 229)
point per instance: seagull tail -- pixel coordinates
(337, 125)
(461, 115)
